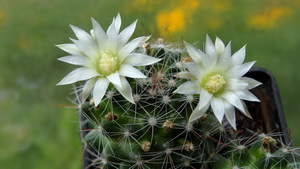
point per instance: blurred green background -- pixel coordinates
(35, 132)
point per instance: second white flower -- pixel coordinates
(218, 78)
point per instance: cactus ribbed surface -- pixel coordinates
(155, 131)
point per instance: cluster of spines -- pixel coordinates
(155, 133)
(258, 151)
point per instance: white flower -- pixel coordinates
(217, 77)
(106, 58)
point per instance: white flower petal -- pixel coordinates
(194, 53)
(75, 60)
(139, 59)
(125, 90)
(186, 75)
(194, 69)
(129, 47)
(199, 57)
(112, 36)
(86, 91)
(246, 110)
(112, 29)
(236, 84)
(70, 48)
(238, 57)
(99, 33)
(130, 71)
(225, 58)
(240, 70)
(230, 114)
(114, 78)
(117, 22)
(218, 108)
(207, 62)
(87, 49)
(246, 95)
(124, 36)
(83, 36)
(197, 113)
(252, 83)
(99, 90)
(205, 98)
(189, 87)
(234, 100)
(219, 46)
(210, 49)
(78, 74)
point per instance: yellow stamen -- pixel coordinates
(214, 83)
(108, 63)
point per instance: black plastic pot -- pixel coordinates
(267, 115)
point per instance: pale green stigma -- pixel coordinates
(214, 83)
(108, 63)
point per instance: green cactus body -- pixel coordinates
(154, 132)
(162, 105)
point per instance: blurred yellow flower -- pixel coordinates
(144, 6)
(188, 4)
(2, 18)
(221, 5)
(214, 23)
(174, 16)
(268, 18)
(173, 21)
(176, 19)
(170, 16)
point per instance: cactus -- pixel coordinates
(163, 126)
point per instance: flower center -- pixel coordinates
(214, 83)
(107, 63)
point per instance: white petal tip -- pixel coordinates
(175, 91)
(192, 119)
(61, 83)
(146, 38)
(131, 100)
